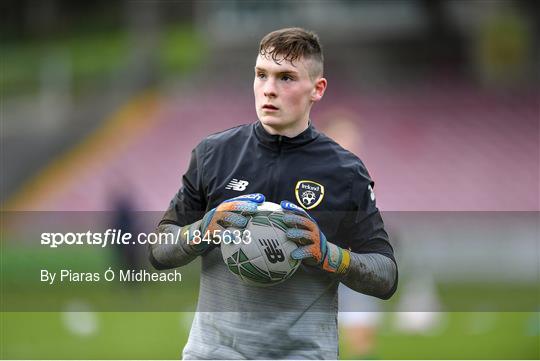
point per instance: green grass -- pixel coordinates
(162, 335)
(462, 335)
(118, 335)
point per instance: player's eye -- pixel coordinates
(261, 75)
(286, 78)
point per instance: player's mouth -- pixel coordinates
(269, 107)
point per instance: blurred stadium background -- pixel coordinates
(103, 102)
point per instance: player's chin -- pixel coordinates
(271, 120)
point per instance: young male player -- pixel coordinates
(284, 158)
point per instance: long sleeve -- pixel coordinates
(166, 256)
(373, 269)
(372, 274)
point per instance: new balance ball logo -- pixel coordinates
(272, 251)
(237, 185)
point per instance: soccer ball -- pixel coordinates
(261, 255)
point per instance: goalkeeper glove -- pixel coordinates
(314, 248)
(231, 213)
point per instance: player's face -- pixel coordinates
(284, 94)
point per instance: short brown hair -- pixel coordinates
(292, 44)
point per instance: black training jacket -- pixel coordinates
(311, 170)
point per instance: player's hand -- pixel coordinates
(314, 248)
(233, 212)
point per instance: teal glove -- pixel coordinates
(314, 248)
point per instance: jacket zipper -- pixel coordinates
(277, 173)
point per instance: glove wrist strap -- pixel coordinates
(337, 259)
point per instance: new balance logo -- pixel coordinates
(237, 185)
(272, 250)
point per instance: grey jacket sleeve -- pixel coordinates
(166, 256)
(372, 274)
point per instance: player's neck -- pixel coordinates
(289, 132)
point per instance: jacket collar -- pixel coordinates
(281, 141)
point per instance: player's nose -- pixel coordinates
(269, 88)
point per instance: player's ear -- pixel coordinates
(318, 89)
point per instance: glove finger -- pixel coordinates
(302, 253)
(288, 206)
(294, 220)
(299, 236)
(310, 254)
(231, 219)
(291, 207)
(246, 207)
(255, 198)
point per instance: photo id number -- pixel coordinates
(218, 236)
